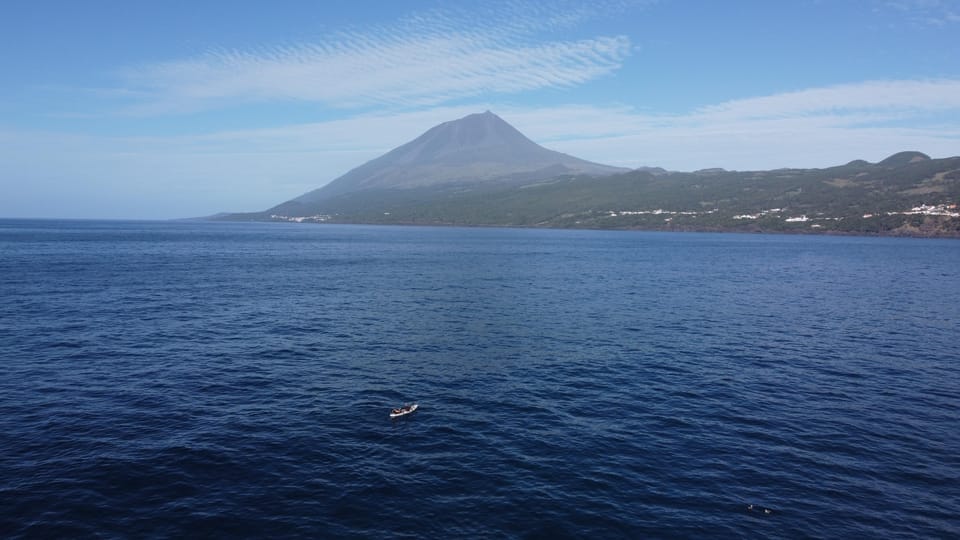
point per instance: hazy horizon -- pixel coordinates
(123, 111)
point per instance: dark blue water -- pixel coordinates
(232, 380)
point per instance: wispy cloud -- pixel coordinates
(815, 127)
(252, 169)
(852, 100)
(428, 58)
(928, 12)
(808, 128)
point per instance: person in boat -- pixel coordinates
(397, 411)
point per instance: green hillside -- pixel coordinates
(907, 194)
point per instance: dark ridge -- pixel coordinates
(904, 158)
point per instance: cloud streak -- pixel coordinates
(815, 127)
(937, 13)
(424, 60)
(855, 100)
(251, 169)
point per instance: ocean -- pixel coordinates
(190, 379)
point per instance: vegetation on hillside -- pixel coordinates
(907, 194)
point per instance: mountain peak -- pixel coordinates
(478, 148)
(470, 133)
(904, 158)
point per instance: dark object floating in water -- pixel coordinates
(401, 411)
(761, 509)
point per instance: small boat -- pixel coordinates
(401, 411)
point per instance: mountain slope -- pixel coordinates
(476, 149)
(479, 170)
(901, 196)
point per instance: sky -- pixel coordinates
(157, 110)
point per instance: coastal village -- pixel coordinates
(319, 218)
(941, 210)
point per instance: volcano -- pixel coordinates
(476, 150)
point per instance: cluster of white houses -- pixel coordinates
(657, 212)
(761, 214)
(948, 210)
(319, 218)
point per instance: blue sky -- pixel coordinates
(119, 109)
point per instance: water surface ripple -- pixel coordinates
(233, 380)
